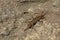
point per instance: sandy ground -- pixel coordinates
(29, 19)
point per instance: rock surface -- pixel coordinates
(29, 19)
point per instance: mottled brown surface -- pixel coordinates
(25, 20)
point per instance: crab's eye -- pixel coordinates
(25, 12)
